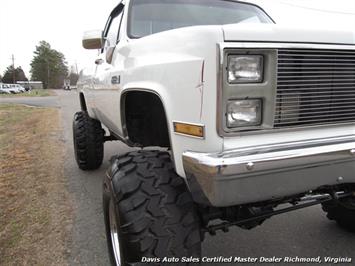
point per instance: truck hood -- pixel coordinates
(277, 33)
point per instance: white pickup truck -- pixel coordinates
(244, 119)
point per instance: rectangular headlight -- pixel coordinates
(242, 113)
(245, 68)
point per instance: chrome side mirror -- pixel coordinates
(93, 39)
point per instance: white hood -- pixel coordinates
(277, 33)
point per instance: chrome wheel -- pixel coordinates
(114, 234)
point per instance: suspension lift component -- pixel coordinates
(309, 201)
(109, 138)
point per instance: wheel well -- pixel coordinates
(145, 119)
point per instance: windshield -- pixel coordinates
(149, 17)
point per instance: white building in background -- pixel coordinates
(31, 84)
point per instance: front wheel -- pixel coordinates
(149, 213)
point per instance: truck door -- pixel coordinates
(107, 75)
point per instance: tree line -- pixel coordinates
(48, 65)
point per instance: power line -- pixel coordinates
(317, 9)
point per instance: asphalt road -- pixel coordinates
(303, 233)
(50, 101)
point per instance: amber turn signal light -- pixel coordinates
(189, 129)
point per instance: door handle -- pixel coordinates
(99, 61)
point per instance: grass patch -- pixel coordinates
(35, 209)
(32, 93)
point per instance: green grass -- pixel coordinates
(32, 93)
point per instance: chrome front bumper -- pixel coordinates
(260, 173)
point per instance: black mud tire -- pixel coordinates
(88, 138)
(342, 212)
(154, 211)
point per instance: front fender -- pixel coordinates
(183, 102)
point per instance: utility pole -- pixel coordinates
(47, 74)
(13, 70)
(76, 65)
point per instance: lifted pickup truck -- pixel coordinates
(249, 119)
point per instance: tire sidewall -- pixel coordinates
(120, 187)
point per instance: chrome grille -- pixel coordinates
(315, 87)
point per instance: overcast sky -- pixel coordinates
(23, 23)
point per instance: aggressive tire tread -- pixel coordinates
(157, 214)
(88, 141)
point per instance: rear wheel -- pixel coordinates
(88, 138)
(148, 211)
(342, 211)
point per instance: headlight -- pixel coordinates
(241, 113)
(245, 68)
